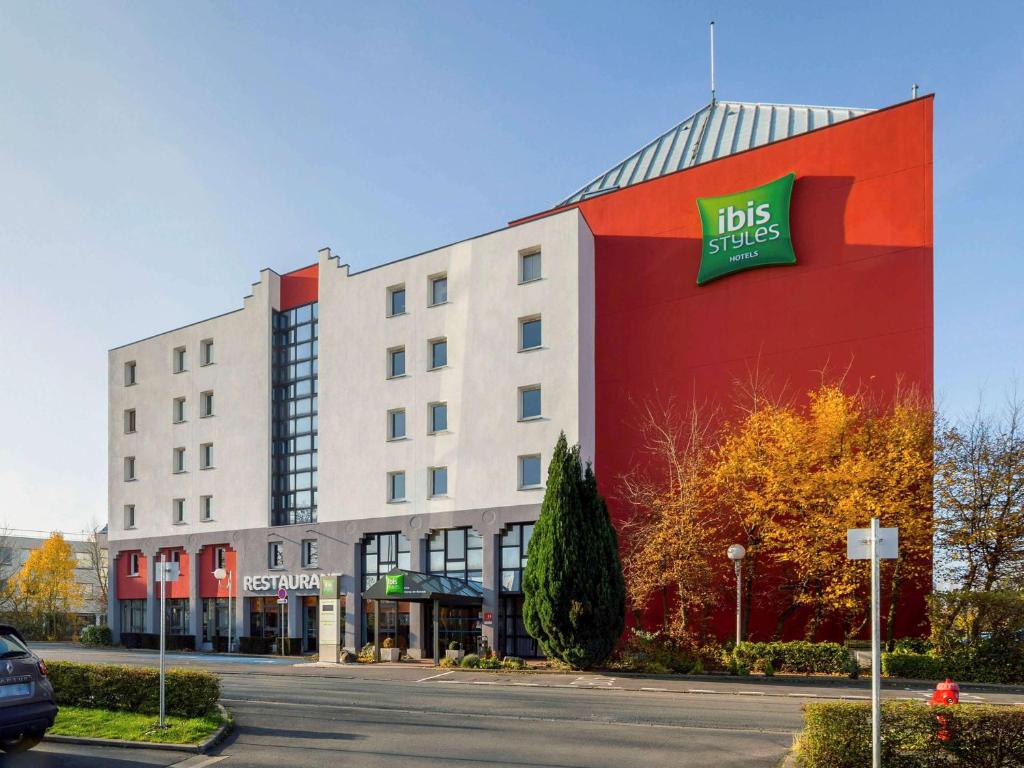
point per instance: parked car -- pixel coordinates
(27, 706)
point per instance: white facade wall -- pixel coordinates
(239, 429)
(480, 383)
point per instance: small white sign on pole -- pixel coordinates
(167, 571)
(858, 543)
(874, 544)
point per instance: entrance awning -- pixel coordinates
(415, 587)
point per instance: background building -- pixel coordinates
(351, 422)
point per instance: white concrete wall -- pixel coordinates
(480, 383)
(239, 429)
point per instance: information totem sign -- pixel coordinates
(330, 638)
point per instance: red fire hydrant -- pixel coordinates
(946, 695)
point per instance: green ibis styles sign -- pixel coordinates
(746, 229)
(394, 584)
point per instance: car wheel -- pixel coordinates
(22, 743)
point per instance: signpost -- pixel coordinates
(330, 621)
(165, 572)
(874, 544)
(219, 574)
(282, 600)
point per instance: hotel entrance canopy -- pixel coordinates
(415, 587)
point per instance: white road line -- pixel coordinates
(699, 690)
(529, 685)
(199, 761)
(654, 689)
(485, 682)
(434, 677)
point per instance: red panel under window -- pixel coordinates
(130, 587)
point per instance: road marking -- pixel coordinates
(485, 682)
(699, 690)
(654, 689)
(434, 677)
(198, 761)
(528, 685)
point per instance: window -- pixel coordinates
(179, 460)
(396, 487)
(206, 507)
(206, 404)
(179, 360)
(133, 564)
(396, 362)
(129, 421)
(129, 467)
(178, 511)
(383, 552)
(220, 558)
(457, 553)
(206, 352)
(129, 516)
(129, 373)
(178, 410)
(438, 290)
(396, 424)
(206, 456)
(310, 553)
(529, 402)
(396, 300)
(515, 542)
(439, 481)
(296, 415)
(438, 353)
(529, 471)
(529, 333)
(438, 418)
(529, 267)
(275, 555)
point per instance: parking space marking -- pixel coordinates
(434, 677)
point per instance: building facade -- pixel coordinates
(348, 423)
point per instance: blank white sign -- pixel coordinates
(168, 571)
(858, 543)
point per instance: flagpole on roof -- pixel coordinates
(712, 27)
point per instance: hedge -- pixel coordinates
(916, 666)
(987, 662)
(97, 635)
(798, 656)
(838, 735)
(189, 693)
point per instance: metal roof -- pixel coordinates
(421, 587)
(720, 129)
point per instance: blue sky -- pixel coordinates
(155, 156)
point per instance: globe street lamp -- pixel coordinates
(736, 553)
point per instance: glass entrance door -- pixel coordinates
(310, 624)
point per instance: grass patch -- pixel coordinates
(131, 726)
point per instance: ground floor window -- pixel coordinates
(310, 623)
(133, 615)
(513, 638)
(215, 618)
(267, 618)
(458, 623)
(176, 616)
(394, 623)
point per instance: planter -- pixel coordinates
(454, 655)
(390, 654)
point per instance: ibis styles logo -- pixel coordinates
(394, 584)
(745, 230)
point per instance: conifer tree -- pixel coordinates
(574, 596)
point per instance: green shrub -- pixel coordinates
(447, 662)
(470, 661)
(97, 635)
(513, 662)
(838, 735)
(768, 668)
(644, 649)
(454, 645)
(912, 645)
(916, 666)
(189, 693)
(798, 656)
(488, 662)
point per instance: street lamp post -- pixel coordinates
(736, 553)
(219, 575)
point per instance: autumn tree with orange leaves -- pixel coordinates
(786, 482)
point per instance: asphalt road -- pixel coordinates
(410, 715)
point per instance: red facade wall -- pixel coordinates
(179, 588)
(208, 585)
(860, 295)
(300, 287)
(130, 587)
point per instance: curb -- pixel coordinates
(197, 749)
